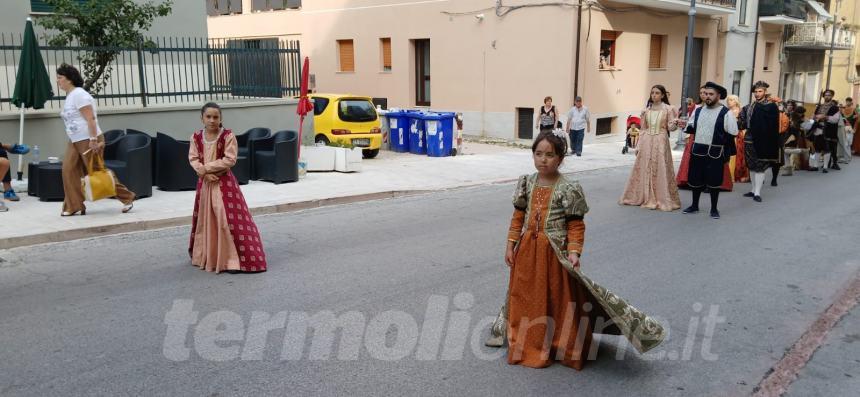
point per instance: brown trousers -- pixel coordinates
(75, 168)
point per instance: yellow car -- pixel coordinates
(347, 119)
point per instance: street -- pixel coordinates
(103, 316)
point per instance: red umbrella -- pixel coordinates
(305, 104)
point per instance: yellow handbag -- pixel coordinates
(98, 184)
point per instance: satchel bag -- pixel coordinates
(98, 184)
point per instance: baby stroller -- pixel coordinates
(634, 124)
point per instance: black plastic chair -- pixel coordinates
(153, 145)
(246, 144)
(111, 136)
(241, 170)
(277, 158)
(174, 171)
(132, 164)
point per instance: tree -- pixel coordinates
(106, 24)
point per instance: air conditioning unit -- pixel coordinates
(294, 3)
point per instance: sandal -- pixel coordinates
(126, 208)
(80, 212)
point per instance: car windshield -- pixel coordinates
(356, 110)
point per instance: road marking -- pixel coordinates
(778, 380)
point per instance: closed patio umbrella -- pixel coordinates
(32, 84)
(305, 104)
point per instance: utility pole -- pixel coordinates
(832, 43)
(688, 64)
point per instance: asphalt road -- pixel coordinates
(103, 316)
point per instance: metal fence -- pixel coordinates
(174, 70)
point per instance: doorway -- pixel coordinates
(696, 57)
(422, 72)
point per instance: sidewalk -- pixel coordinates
(390, 175)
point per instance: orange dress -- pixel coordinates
(546, 304)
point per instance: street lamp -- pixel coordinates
(691, 25)
(832, 43)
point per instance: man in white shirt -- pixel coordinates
(578, 121)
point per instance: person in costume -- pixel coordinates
(738, 167)
(552, 308)
(652, 181)
(825, 133)
(714, 128)
(761, 142)
(846, 130)
(224, 237)
(684, 168)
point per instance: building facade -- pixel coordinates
(495, 62)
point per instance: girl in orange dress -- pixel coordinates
(545, 303)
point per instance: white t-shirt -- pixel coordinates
(578, 117)
(76, 124)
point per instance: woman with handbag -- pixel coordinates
(84, 153)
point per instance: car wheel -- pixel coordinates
(370, 153)
(321, 139)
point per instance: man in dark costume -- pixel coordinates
(825, 133)
(761, 142)
(714, 127)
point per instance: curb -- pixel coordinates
(140, 226)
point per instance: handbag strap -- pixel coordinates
(100, 162)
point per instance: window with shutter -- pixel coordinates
(655, 58)
(346, 55)
(608, 38)
(385, 47)
(43, 6)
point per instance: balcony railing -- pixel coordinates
(721, 3)
(817, 35)
(707, 7)
(788, 8)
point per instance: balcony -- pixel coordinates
(782, 12)
(817, 36)
(703, 7)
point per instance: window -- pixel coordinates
(356, 110)
(346, 55)
(786, 83)
(742, 12)
(604, 125)
(319, 105)
(811, 87)
(385, 53)
(223, 7)
(422, 72)
(43, 6)
(657, 55)
(525, 123)
(607, 48)
(737, 78)
(267, 5)
(768, 55)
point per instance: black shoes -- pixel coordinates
(835, 167)
(690, 210)
(750, 194)
(757, 199)
(715, 214)
(773, 183)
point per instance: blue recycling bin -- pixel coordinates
(417, 136)
(398, 125)
(439, 128)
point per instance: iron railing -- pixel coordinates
(173, 70)
(817, 35)
(789, 8)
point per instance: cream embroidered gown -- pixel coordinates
(652, 180)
